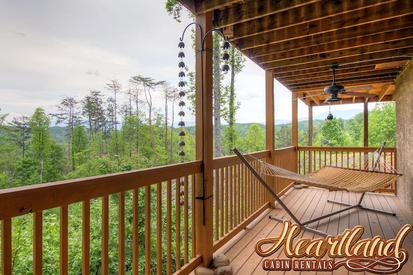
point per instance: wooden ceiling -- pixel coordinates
(298, 40)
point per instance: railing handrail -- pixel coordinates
(26, 199)
(224, 161)
(343, 148)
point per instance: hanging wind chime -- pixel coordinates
(200, 49)
(182, 80)
(330, 115)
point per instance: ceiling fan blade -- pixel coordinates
(354, 93)
(310, 96)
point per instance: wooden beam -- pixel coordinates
(320, 87)
(351, 54)
(294, 119)
(368, 64)
(386, 11)
(387, 90)
(350, 100)
(362, 71)
(322, 83)
(348, 47)
(270, 124)
(204, 143)
(359, 60)
(250, 10)
(205, 6)
(307, 14)
(342, 35)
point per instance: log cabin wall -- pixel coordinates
(404, 118)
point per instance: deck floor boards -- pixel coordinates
(309, 203)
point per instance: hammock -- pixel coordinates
(334, 178)
(329, 177)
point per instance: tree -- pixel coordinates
(69, 115)
(93, 110)
(382, 125)
(21, 133)
(254, 139)
(333, 132)
(40, 140)
(115, 87)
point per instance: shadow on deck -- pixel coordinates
(309, 203)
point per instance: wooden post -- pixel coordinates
(294, 119)
(270, 125)
(310, 135)
(204, 144)
(366, 123)
(366, 131)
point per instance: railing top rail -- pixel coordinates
(343, 149)
(22, 200)
(233, 159)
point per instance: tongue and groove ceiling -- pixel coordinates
(371, 40)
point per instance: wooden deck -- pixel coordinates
(311, 202)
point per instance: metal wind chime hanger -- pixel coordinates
(330, 115)
(182, 91)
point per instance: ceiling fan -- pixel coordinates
(335, 89)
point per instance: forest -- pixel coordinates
(100, 134)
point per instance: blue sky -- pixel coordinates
(50, 49)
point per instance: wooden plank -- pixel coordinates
(105, 235)
(135, 232)
(23, 200)
(148, 230)
(86, 237)
(388, 89)
(121, 240)
(169, 227)
(286, 59)
(186, 224)
(64, 239)
(314, 13)
(270, 122)
(177, 224)
(37, 243)
(358, 60)
(285, 32)
(251, 10)
(294, 120)
(6, 247)
(159, 228)
(210, 5)
(365, 124)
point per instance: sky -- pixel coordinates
(50, 49)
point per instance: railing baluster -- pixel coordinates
(121, 253)
(169, 227)
(221, 183)
(177, 223)
(38, 243)
(86, 237)
(186, 243)
(159, 228)
(64, 220)
(216, 202)
(231, 201)
(226, 200)
(6, 249)
(105, 235)
(237, 192)
(148, 230)
(135, 233)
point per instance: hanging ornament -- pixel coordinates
(225, 56)
(330, 115)
(181, 85)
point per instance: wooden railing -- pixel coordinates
(118, 210)
(311, 159)
(238, 197)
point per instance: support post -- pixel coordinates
(204, 145)
(366, 131)
(269, 126)
(294, 128)
(310, 135)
